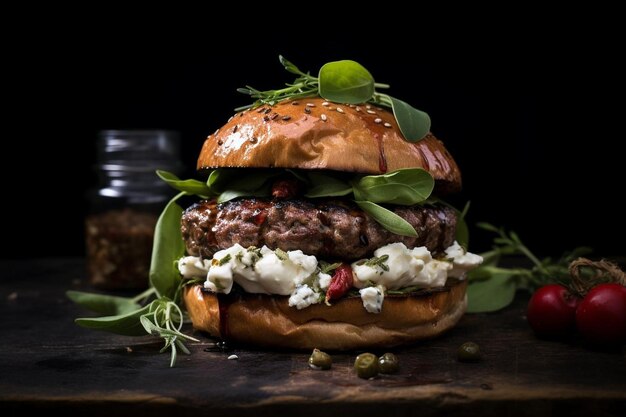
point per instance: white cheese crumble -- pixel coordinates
(462, 261)
(297, 275)
(303, 297)
(193, 267)
(405, 267)
(372, 298)
(259, 271)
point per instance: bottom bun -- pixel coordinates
(268, 321)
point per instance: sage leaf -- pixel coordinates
(193, 187)
(414, 124)
(388, 219)
(324, 185)
(128, 324)
(404, 186)
(345, 82)
(167, 247)
(492, 293)
(109, 305)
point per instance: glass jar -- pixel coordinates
(125, 206)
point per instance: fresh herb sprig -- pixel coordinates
(155, 311)
(343, 82)
(378, 262)
(492, 286)
(305, 85)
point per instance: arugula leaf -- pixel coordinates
(103, 304)
(167, 247)
(404, 186)
(345, 82)
(125, 324)
(191, 186)
(388, 219)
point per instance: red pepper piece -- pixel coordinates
(340, 283)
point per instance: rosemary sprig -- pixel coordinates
(379, 262)
(305, 85)
(165, 319)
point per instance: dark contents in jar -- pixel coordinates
(119, 247)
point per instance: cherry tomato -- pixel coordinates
(601, 315)
(552, 311)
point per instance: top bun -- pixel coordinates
(307, 134)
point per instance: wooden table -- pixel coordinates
(47, 363)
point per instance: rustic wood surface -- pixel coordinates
(47, 363)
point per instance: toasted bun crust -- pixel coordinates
(290, 135)
(268, 321)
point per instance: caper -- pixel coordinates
(469, 352)
(320, 360)
(366, 365)
(388, 363)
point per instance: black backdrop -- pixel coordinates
(531, 123)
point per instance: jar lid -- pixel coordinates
(139, 150)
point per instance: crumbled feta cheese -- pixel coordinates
(220, 276)
(413, 267)
(324, 280)
(303, 297)
(259, 271)
(398, 271)
(193, 267)
(434, 274)
(372, 298)
(293, 273)
(462, 261)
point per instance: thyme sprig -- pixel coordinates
(305, 85)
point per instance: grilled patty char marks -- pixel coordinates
(328, 229)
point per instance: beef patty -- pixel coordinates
(333, 229)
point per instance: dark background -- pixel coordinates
(535, 125)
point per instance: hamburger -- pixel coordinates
(293, 247)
